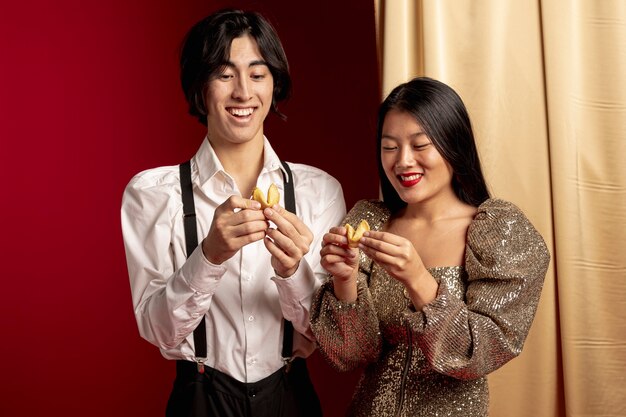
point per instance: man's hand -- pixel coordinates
(231, 230)
(288, 243)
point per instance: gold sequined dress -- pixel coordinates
(434, 362)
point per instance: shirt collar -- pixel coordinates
(208, 164)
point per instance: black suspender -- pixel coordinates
(191, 242)
(290, 205)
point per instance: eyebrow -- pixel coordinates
(413, 135)
(258, 62)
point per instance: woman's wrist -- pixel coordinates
(345, 288)
(422, 290)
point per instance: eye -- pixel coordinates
(421, 146)
(388, 145)
(225, 76)
(259, 73)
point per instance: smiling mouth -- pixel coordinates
(240, 112)
(411, 177)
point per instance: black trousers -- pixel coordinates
(215, 394)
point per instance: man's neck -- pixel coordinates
(243, 162)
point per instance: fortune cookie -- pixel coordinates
(273, 197)
(355, 235)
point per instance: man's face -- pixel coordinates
(239, 98)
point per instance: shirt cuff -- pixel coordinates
(297, 288)
(201, 275)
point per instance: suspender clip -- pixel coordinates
(200, 363)
(287, 362)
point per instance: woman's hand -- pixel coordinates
(342, 262)
(394, 254)
(398, 257)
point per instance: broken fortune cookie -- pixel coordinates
(273, 196)
(355, 235)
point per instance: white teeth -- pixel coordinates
(410, 177)
(240, 112)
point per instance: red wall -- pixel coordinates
(89, 96)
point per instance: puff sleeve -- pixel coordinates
(506, 261)
(348, 334)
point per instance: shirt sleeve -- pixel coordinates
(506, 262)
(296, 292)
(168, 301)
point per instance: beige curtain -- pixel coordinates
(545, 84)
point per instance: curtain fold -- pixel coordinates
(545, 85)
(585, 59)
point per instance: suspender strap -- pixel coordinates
(290, 205)
(189, 209)
(191, 242)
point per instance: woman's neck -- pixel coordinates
(433, 210)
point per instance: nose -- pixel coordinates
(241, 90)
(405, 157)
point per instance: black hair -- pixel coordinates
(206, 49)
(441, 113)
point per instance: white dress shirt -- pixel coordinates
(243, 300)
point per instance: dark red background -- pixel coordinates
(89, 96)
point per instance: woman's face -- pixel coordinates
(415, 168)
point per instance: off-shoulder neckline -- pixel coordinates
(437, 268)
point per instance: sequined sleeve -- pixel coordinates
(506, 261)
(348, 334)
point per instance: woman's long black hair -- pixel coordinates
(442, 115)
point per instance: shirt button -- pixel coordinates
(251, 318)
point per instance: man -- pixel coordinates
(253, 267)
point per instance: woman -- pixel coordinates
(447, 282)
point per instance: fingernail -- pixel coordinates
(268, 212)
(255, 205)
